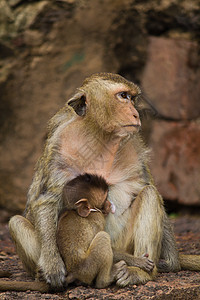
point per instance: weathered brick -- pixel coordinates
(171, 77)
(176, 160)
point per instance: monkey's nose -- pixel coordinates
(139, 122)
(137, 118)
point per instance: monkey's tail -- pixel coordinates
(190, 262)
(23, 286)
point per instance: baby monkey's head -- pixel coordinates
(87, 193)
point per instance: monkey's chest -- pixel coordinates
(84, 157)
(109, 160)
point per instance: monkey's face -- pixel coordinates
(108, 103)
(127, 117)
(112, 107)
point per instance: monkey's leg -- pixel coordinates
(148, 214)
(98, 262)
(26, 242)
(148, 224)
(169, 261)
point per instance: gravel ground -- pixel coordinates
(181, 285)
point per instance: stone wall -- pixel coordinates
(171, 79)
(47, 48)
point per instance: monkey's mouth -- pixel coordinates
(131, 125)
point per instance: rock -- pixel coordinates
(51, 46)
(176, 160)
(171, 77)
(14, 2)
(5, 50)
(25, 16)
(33, 38)
(40, 83)
(6, 19)
(5, 71)
(14, 20)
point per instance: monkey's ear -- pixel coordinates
(106, 207)
(83, 207)
(79, 105)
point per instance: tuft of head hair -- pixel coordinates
(83, 186)
(87, 181)
(115, 78)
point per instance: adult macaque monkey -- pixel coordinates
(97, 132)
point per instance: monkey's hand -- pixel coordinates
(120, 272)
(145, 263)
(53, 270)
(126, 275)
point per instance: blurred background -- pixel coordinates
(47, 48)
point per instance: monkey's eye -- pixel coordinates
(124, 96)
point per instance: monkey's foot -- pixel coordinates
(120, 270)
(70, 278)
(130, 275)
(53, 273)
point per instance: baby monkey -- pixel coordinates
(83, 244)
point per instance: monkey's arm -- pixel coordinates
(142, 262)
(50, 261)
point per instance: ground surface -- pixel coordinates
(181, 285)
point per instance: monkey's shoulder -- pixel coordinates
(63, 116)
(72, 140)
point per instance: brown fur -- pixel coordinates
(97, 132)
(83, 244)
(85, 248)
(88, 186)
(21, 286)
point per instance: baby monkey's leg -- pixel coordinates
(97, 263)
